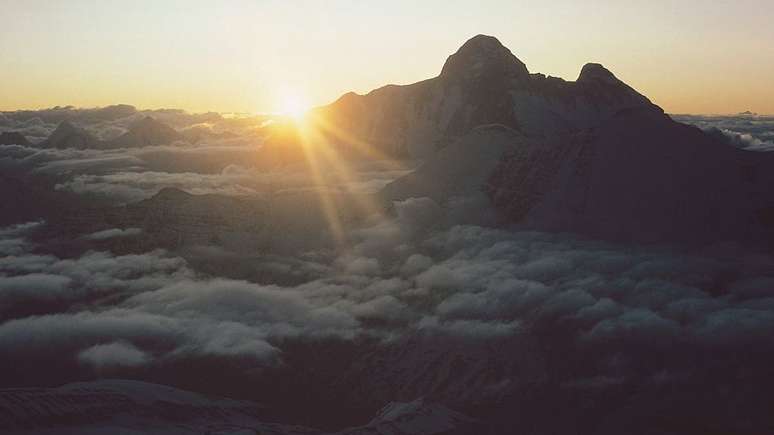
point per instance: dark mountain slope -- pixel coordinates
(640, 176)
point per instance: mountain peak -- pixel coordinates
(145, 122)
(147, 131)
(483, 56)
(68, 128)
(150, 125)
(596, 72)
(171, 194)
(67, 135)
(482, 41)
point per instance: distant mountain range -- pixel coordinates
(145, 132)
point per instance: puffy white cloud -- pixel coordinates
(384, 307)
(116, 354)
(360, 265)
(135, 186)
(114, 233)
(590, 314)
(439, 276)
(473, 329)
(12, 239)
(635, 326)
(33, 286)
(416, 263)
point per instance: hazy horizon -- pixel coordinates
(253, 57)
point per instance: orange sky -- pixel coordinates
(261, 56)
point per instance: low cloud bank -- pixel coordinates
(745, 131)
(414, 307)
(114, 233)
(401, 277)
(111, 121)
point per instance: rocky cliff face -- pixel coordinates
(482, 83)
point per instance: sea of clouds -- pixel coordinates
(617, 315)
(414, 305)
(111, 121)
(747, 131)
(224, 161)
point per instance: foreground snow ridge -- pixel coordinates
(132, 407)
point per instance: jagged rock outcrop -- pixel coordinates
(13, 138)
(482, 83)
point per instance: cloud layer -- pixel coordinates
(747, 131)
(400, 277)
(410, 306)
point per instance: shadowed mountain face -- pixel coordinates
(591, 157)
(639, 177)
(482, 83)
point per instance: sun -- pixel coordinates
(294, 106)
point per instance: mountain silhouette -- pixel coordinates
(482, 83)
(591, 156)
(68, 135)
(146, 132)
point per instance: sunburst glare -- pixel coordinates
(292, 104)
